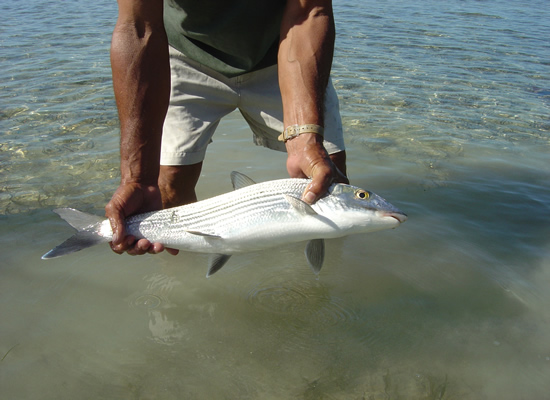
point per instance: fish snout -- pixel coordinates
(399, 216)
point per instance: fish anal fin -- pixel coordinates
(315, 254)
(240, 181)
(216, 263)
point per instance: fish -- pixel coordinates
(253, 217)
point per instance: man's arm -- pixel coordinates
(141, 81)
(305, 59)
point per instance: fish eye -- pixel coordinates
(362, 194)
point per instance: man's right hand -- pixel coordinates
(129, 199)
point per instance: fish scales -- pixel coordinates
(244, 201)
(230, 204)
(243, 198)
(243, 212)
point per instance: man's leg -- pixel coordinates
(199, 99)
(177, 184)
(339, 159)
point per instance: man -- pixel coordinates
(218, 49)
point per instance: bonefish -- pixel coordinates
(255, 216)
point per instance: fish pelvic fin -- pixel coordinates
(87, 235)
(239, 180)
(216, 263)
(315, 254)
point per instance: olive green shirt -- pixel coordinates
(230, 36)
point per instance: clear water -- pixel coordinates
(446, 109)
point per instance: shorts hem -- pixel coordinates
(270, 144)
(182, 158)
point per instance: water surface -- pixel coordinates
(445, 108)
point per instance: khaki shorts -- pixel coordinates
(200, 97)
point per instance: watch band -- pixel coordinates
(295, 130)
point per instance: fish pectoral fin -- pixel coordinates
(305, 209)
(217, 261)
(239, 180)
(315, 254)
(209, 235)
(301, 206)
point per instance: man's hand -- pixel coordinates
(307, 158)
(133, 198)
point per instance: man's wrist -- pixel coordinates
(309, 142)
(141, 181)
(139, 174)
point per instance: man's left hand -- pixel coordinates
(307, 158)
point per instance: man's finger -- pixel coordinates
(141, 247)
(172, 251)
(309, 196)
(127, 243)
(317, 188)
(116, 231)
(116, 219)
(323, 176)
(321, 179)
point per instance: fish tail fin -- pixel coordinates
(88, 234)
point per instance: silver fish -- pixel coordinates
(255, 216)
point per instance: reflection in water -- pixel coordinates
(303, 301)
(163, 323)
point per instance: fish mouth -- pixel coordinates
(399, 216)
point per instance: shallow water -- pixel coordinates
(445, 109)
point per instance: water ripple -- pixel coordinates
(147, 301)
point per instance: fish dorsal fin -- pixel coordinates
(315, 254)
(216, 263)
(301, 206)
(240, 180)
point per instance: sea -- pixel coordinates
(445, 107)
